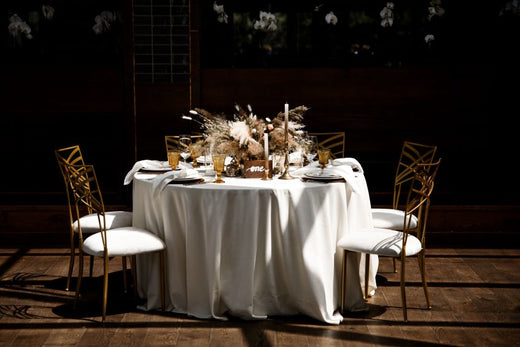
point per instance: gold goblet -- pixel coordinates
(173, 159)
(218, 166)
(195, 153)
(323, 157)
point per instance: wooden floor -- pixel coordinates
(475, 295)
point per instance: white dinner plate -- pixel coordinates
(156, 169)
(324, 176)
(189, 179)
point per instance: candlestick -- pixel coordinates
(266, 153)
(286, 175)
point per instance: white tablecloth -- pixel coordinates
(252, 248)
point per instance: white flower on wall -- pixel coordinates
(429, 38)
(17, 27)
(331, 18)
(104, 22)
(510, 7)
(435, 9)
(48, 12)
(222, 16)
(266, 22)
(387, 15)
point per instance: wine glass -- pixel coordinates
(312, 148)
(184, 143)
(218, 166)
(278, 163)
(323, 157)
(208, 161)
(173, 159)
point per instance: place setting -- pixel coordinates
(320, 173)
(147, 169)
(201, 168)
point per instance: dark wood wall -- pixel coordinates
(45, 109)
(467, 110)
(379, 108)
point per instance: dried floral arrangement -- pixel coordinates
(242, 136)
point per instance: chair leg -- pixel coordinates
(125, 281)
(422, 267)
(80, 277)
(162, 279)
(403, 289)
(105, 286)
(367, 270)
(134, 275)
(91, 269)
(71, 261)
(394, 260)
(343, 276)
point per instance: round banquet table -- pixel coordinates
(251, 248)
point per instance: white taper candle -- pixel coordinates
(266, 145)
(286, 121)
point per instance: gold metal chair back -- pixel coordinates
(412, 154)
(334, 141)
(86, 193)
(421, 189)
(172, 141)
(68, 156)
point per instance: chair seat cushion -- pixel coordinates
(383, 242)
(123, 242)
(114, 219)
(389, 218)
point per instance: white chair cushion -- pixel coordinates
(114, 219)
(388, 218)
(383, 242)
(123, 242)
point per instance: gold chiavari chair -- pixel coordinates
(70, 156)
(411, 241)
(107, 243)
(334, 141)
(412, 154)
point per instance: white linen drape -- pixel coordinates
(252, 248)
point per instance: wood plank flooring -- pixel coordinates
(475, 295)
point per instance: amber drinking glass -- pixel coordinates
(323, 157)
(173, 159)
(195, 154)
(218, 166)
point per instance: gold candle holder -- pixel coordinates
(286, 175)
(266, 170)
